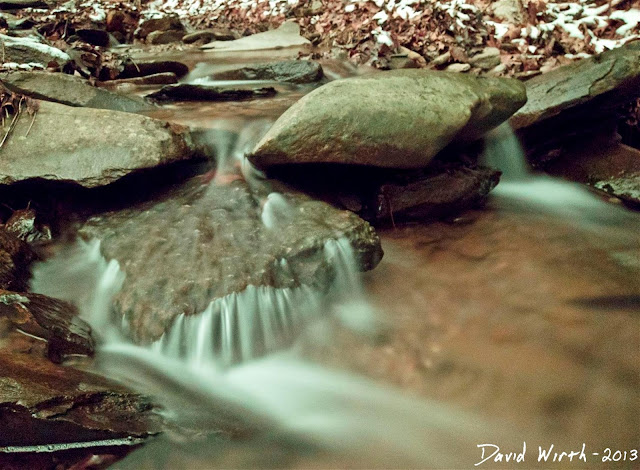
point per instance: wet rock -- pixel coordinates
(70, 90)
(29, 50)
(188, 92)
(486, 59)
(97, 37)
(205, 241)
(166, 78)
(91, 147)
(19, 4)
(166, 23)
(208, 35)
(440, 194)
(604, 81)
(293, 71)
(23, 225)
(165, 37)
(51, 319)
(144, 68)
(15, 261)
(287, 35)
(410, 115)
(42, 403)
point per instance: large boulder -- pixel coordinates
(30, 51)
(398, 119)
(205, 241)
(69, 90)
(604, 82)
(91, 147)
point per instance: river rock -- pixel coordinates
(192, 92)
(208, 240)
(19, 4)
(51, 319)
(397, 119)
(165, 37)
(30, 50)
(166, 78)
(45, 404)
(15, 261)
(487, 59)
(605, 82)
(70, 90)
(293, 71)
(97, 37)
(166, 23)
(91, 147)
(141, 68)
(208, 35)
(287, 35)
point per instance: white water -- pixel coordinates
(525, 191)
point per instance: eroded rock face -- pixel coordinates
(605, 81)
(42, 403)
(205, 241)
(91, 147)
(69, 90)
(398, 119)
(292, 71)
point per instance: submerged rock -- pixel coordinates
(42, 403)
(605, 82)
(189, 92)
(165, 78)
(30, 51)
(287, 35)
(398, 119)
(91, 147)
(51, 319)
(206, 241)
(292, 71)
(69, 90)
(208, 35)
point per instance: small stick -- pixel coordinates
(31, 125)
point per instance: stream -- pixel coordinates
(509, 323)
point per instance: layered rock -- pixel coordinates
(70, 90)
(91, 147)
(207, 240)
(398, 119)
(605, 82)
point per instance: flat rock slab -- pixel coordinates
(397, 119)
(207, 240)
(291, 71)
(580, 82)
(69, 90)
(91, 147)
(189, 92)
(287, 35)
(29, 51)
(42, 403)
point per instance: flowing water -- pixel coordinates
(242, 367)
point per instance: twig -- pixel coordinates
(31, 125)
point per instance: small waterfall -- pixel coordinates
(81, 275)
(522, 190)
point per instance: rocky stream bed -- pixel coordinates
(213, 171)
